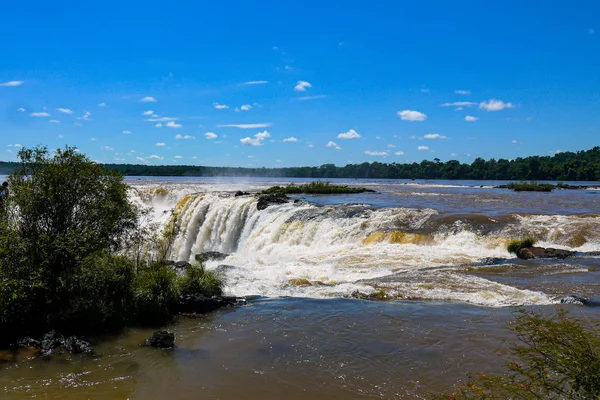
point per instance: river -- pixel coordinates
(436, 250)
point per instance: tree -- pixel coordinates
(64, 213)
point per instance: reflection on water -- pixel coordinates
(285, 348)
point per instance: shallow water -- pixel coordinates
(285, 348)
(436, 249)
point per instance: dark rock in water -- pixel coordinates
(240, 193)
(221, 269)
(193, 303)
(181, 265)
(50, 341)
(28, 342)
(269, 199)
(162, 340)
(572, 299)
(75, 345)
(211, 255)
(529, 253)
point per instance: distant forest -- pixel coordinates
(566, 166)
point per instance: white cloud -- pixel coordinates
(290, 139)
(12, 83)
(126, 132)
(219, 106)
(246, 107)
(18, 145)
(93, 139)
(304, 98)
(422, 148)
(184, 137)
(408, 115)
(21, 109)
(257, 140)
(149, 112)
(460, 104)
(108, 148)
(256, 83)
(399, 153)
(452, 154)
(246, 126)
(54, 121)
(210, 135)
(434, 136)
(333, 144)
(470, 118)
(463, 92)
(161, 119)
(158, 125)
(351, 134)
(424, 90)
(148, 99)
(391, 146)
(141, 159)
(172, 124)
(40, 114)
(160, 144)
(495, 105)
(85, 116)
(65, 110)
(514, 141)
(178, 157)
(301, 86)
(155, 157)
(376, 153)
(101, 104)
(458, 109)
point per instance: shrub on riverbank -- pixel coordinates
(63, 228)
(530, 187)
(516, 245)
(558, 357)
(317, 187)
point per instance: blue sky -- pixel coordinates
(291, 83)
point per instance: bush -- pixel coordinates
(156, 294)
(530, 187)
(317, 187)
(198, 280)
(558, 358)
(516, 245)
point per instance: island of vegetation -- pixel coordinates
(565, 166)
(316, 188)
(76, 258)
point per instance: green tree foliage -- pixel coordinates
(566, 166)
(63, 217)
(516, 245)
(557, 357)
(198, 280)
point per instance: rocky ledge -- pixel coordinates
(53, 341)
(531, 253)
(194, 303)
(265, 201)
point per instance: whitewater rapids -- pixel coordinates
(299, 249)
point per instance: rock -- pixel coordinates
(75, 345)
(211, 255)
(529, 253)
(181, 265)
(240, 193)
(223, 268)
(269, 199)
(51, 341)
(29, 342)
(162, 340)
(572, 299)
(193, 303)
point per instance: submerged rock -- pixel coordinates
(211, 255)
(240, 193)
(54, 340)
(162, 340)
(529, 253)
(76, 345)
(270, 199)
(193, 303)
(51, 341)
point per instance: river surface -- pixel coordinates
(434, 250)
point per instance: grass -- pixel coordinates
(530, 186)
(198, 280)
(516, 245)
(317, 187)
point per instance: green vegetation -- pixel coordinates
(73, 254)
(315, 188)
(566, 166)
(516, 245)
(530, 187)
(558, 357)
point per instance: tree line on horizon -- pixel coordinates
(565, 166)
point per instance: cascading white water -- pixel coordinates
(298, 249)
